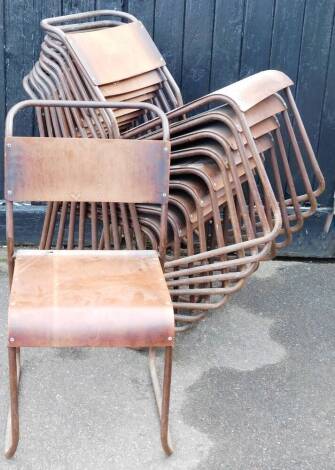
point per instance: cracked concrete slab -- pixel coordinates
(252, 388)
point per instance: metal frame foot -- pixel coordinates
(162, 400)
(12, 429)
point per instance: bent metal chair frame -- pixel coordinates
(38, 180)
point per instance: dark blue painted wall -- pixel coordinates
(207, 44)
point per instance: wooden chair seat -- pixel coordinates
(89, 298)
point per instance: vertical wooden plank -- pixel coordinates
(169, 23)
(144, 10)
(257, 35)
(227, 41)
(313, 64)
(326, 148)
(286, 36)
(50, 9)
(23, 35)
(286, 42)
(2, 90)
(199, 19)
(22, 48)
(256, 42)
(77, 6)
(109, 5)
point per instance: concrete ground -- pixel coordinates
(253, 389)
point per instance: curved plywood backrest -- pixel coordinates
(252, 90)
(77, 169)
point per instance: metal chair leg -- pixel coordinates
(12, 430)
(163, 402)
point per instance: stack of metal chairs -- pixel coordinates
(242, 165)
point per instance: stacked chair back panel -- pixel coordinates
(128, 45)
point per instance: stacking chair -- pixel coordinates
(87, 298)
